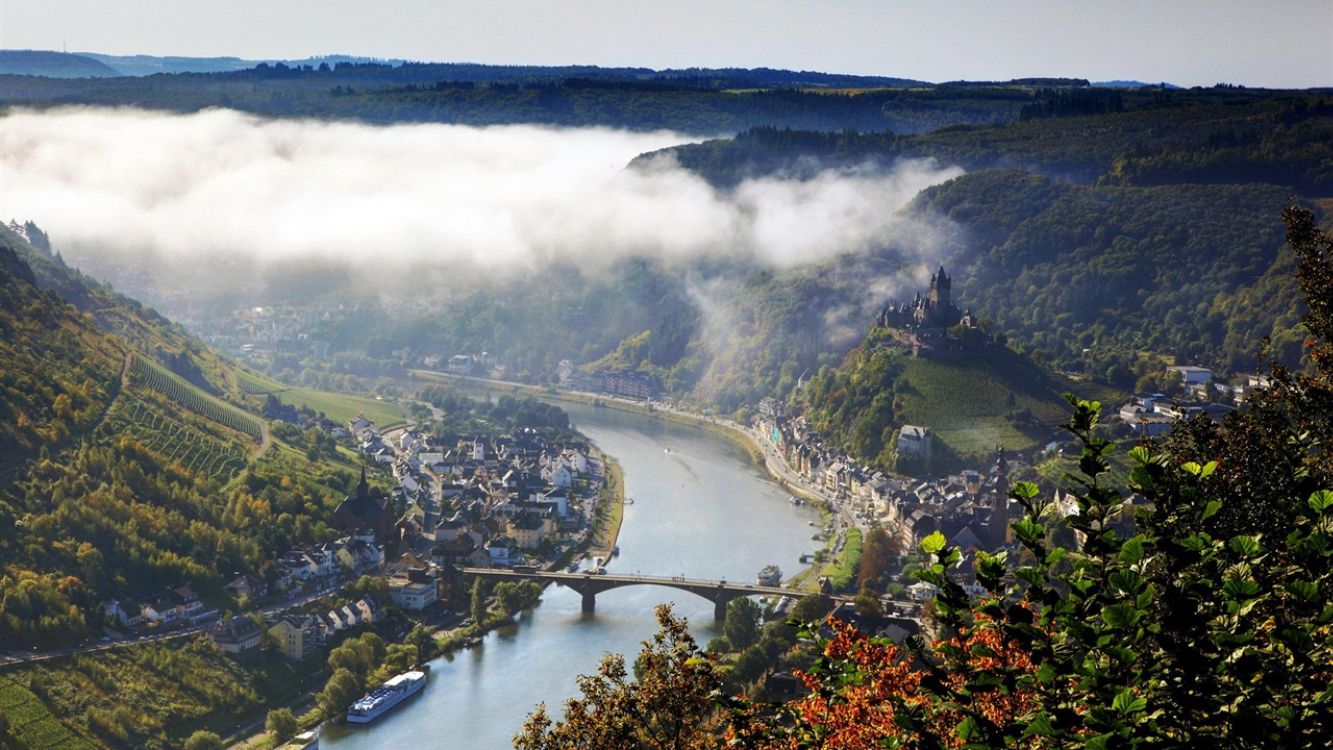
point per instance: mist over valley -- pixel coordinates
(916, 388)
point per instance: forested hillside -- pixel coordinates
(126, 469)
(1156, 137)
(61, 372)
(133, 462)
(701, 101)
(1099, 279)
(1111, 243)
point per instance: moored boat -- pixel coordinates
(374, 704)
(770, 575)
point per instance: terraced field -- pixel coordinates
(254, 384)
(180, 391)
(30, 722)
(176, 441)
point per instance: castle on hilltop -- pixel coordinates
(923, 324)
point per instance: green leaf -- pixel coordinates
(1192, 468)
(1208, 469)
(1046, 674)
(967, 728)
(1132, 550)
(1126, 703)
(1247, 546)
(1238, 589)
(1195, 542)
(1306, 590)
(1126, 580)
(1121, 616)
(1023, 491)
(1027, 530)
(933, 543)
(1321, 501)
(1211, 509)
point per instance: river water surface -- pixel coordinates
(701, 509)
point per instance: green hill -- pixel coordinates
(31, 62)
(974, 401)
(60, 372)
(133, 458)
(1091, 278)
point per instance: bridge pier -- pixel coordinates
(720, 608)
(589, 602)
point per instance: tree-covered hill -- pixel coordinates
(133, 457)
(1155, 138)
(30, 62)
(1091, 277)
(60, 372)
(700, 101)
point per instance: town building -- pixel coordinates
(235, 635)
(365, 509)
(297, 636)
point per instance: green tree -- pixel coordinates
(478, 600)
(1202, 616)
(741, 626)
(669, 706)
(876, 554)
(811, 608)
(282, 724)
(867, 603)
(339, 692)
(203, 740)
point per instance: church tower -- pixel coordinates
(999, 514)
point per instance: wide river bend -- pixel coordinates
(701, 509)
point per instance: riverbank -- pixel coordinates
(610, 510)
(734, 433)
(725, 429)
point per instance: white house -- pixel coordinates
(503, 551)
(1192, 374)
(914, 441)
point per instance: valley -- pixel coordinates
(322, 370)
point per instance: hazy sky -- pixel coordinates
(1281, 43)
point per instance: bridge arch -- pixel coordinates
(589, 585)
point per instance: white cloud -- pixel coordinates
(184, 187)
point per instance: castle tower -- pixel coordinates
(940, 287)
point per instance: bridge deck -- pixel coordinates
(696, 585)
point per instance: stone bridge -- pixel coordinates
(589, 585)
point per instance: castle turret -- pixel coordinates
(940, 287)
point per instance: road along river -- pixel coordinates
(701, 508)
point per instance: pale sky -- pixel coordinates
(1277, 43)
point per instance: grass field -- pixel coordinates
(343, 407)
(969, 404)
(254, 383)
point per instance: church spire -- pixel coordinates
(362, 490)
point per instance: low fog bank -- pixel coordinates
(225, 190)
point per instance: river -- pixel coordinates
(701, 509)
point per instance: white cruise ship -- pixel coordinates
(385, 697)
